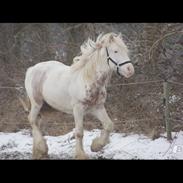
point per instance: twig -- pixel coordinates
(145, 82)
(72, 27)
(11, 87)
(172, 144)
(177, 83)
(157, 41)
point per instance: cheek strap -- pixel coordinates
(114, 62)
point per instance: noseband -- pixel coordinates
(117, 64)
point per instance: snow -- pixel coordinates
(174, 99)
(19, 146)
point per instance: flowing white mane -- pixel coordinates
(86, 48)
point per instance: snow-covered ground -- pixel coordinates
(19, 146)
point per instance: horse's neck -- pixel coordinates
(101, 75)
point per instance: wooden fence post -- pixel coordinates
(167, 114)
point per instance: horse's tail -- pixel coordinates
(25, 102)
(23, 96)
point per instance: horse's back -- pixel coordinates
(47, 66)
(42, 66)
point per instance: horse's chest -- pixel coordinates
(94, 96)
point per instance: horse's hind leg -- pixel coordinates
(40, 148)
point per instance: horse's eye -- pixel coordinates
(115, 51)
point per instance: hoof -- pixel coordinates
(39, 153)
(39, 156)
(81, 156)
(40, 149)
(97, 145)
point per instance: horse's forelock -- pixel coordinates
(106, 39)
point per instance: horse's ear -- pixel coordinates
(111, 38)
(119, 35)
(76, 59)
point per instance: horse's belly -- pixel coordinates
(61, 104)
(57, 98)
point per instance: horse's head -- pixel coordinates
(116, 53)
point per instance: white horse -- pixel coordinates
(77, 89)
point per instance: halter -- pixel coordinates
(117, 64)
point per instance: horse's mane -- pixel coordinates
(87, 48)
(90, 50)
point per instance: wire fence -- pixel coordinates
(166, 94)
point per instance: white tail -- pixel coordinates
(25, 103)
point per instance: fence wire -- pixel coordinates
(19, 88)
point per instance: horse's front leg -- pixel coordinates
(99, 142)
(78, 112)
